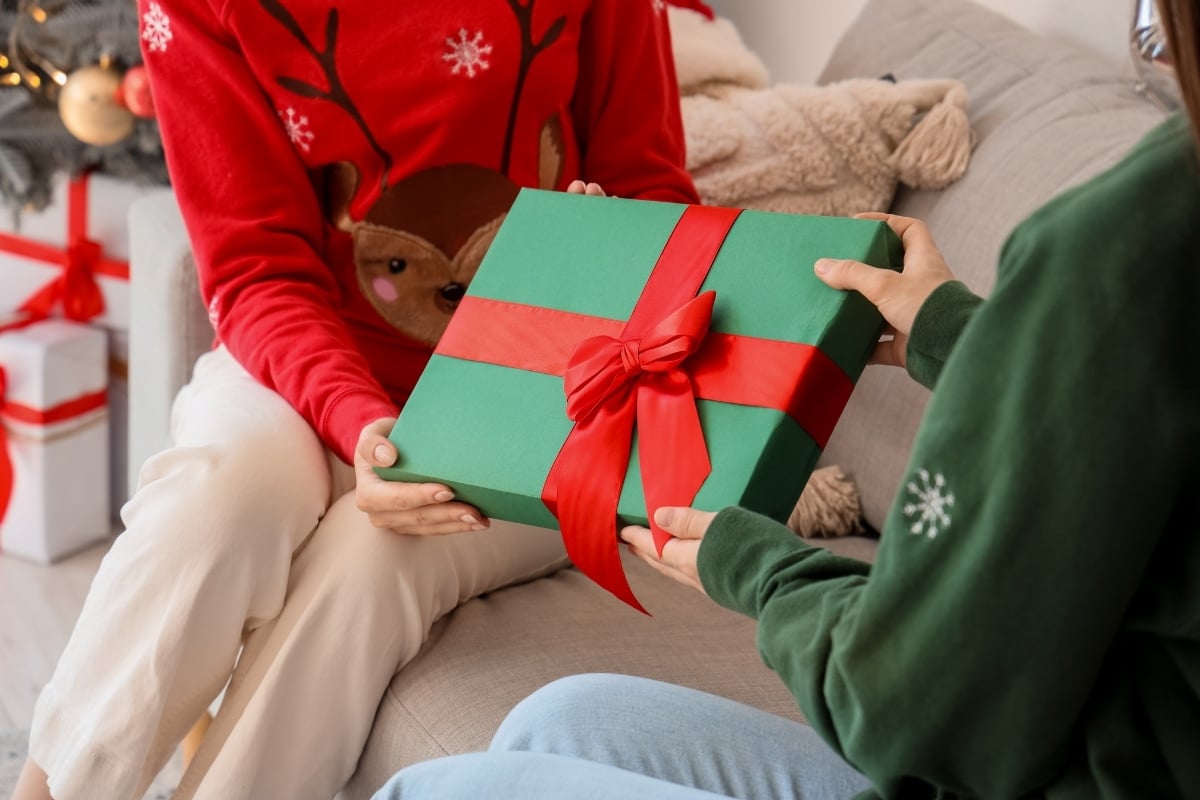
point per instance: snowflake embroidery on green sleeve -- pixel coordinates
(929, 512)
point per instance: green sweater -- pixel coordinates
(1031, 625)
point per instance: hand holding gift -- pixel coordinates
(418, 509)
(589, 189)
(677, 560)
(897, 295)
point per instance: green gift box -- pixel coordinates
(603, 281)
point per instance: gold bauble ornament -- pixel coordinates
(90, 106)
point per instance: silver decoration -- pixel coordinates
(1152, 57)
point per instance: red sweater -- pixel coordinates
(341, 166)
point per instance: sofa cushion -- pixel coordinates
(1045, 117)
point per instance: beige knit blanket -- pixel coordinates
(835, 150)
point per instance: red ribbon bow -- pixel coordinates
(75, 287)
(82, 260)
(603, 367)
(610, 385)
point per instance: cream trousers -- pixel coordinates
(244, 554)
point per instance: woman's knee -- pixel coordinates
(219, 497)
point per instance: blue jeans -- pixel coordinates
(600, 737)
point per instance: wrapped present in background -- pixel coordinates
(54, 467)
(70, 260)
(617, 355)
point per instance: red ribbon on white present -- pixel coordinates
(27, 415)
(82, 260)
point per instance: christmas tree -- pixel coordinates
(73, 96)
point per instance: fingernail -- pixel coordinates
(664, 516)
(822, 266)
(443, 496)
(383, 454)
(467, 518)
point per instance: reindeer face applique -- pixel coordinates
(412, 282)
(419, 246)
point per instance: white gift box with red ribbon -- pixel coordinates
(54, 465)
(70, 260)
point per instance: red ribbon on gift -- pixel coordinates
(75, 288)
(69, 409)
(647, 371)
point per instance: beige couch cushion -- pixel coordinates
(1046, 117)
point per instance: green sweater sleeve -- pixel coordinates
(966, 661)
(936, 329)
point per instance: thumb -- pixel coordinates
(383, 454)
(374, 447)
(683, 523)
(871, 282)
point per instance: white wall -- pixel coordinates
(795, 37)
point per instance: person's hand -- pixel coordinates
(687, 526)
(897, 295)
(592, 189)
(422, 509)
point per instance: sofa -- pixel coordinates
(1044, 118)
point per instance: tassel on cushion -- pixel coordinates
(935, 152)
(829, 506)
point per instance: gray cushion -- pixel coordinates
(1046, 117)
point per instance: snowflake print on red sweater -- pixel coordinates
(156, 29)
(467, 53)
(296, 125)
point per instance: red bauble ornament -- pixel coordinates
(135, 92)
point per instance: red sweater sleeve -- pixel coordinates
(627, 104)
(256, 226)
